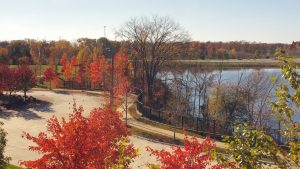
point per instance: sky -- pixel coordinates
(269, 21)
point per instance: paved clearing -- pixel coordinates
(34, 120)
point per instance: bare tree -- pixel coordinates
(202, 82)
(178, 102)
(155, 40)
(244, 100)
(257, 92)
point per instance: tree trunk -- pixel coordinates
(149, 95)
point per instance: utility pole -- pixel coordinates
(105, 31)
(40, 61)
(126, 106)
(112, 83)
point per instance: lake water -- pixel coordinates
(191, 78)
(228, 75)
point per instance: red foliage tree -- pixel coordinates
(26, 79)
(79, 75)
(98, 69)
(4, 72)
(193, 155)
(50, 76)
(97, 141)
(122, 65)
(12, 81)
(63, 59)
(122, 88)
(67, 71)
(121, 73)
(69, 67)
(82, 72)
(8, 79)
(73, 61)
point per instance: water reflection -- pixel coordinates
(198, 94)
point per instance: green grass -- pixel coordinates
(10, 166)
(230, 63)
(154, 136)
(37, 69)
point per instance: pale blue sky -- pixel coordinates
(206, 20)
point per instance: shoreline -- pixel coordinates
(264, 63)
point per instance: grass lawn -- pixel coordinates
(230, 63)
(154, 136)
(39, 70)
(10, 166)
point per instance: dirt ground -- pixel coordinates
(34, 120)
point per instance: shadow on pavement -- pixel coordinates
(25, 109)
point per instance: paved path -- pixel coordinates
(34, 119)
(58, 103)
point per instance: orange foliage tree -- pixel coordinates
(122, 69)
(66, 71)
(83, 72)
(63, 61)
(68, 67)
(98, 69)
(97, 141)
(50, 76)
(72, 66)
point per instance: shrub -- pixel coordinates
(3, 160)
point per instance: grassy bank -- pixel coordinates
(230, 63)
(137, 116)
(154, 136)
(39, 69)
(162, 138)
(10, 166)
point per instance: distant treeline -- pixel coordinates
(235, 50)
(50, 52)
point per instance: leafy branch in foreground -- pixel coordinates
(252, 148)
(3, 160)
(287, 105)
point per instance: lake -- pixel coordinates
(192, 81)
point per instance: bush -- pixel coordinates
(3, 160)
